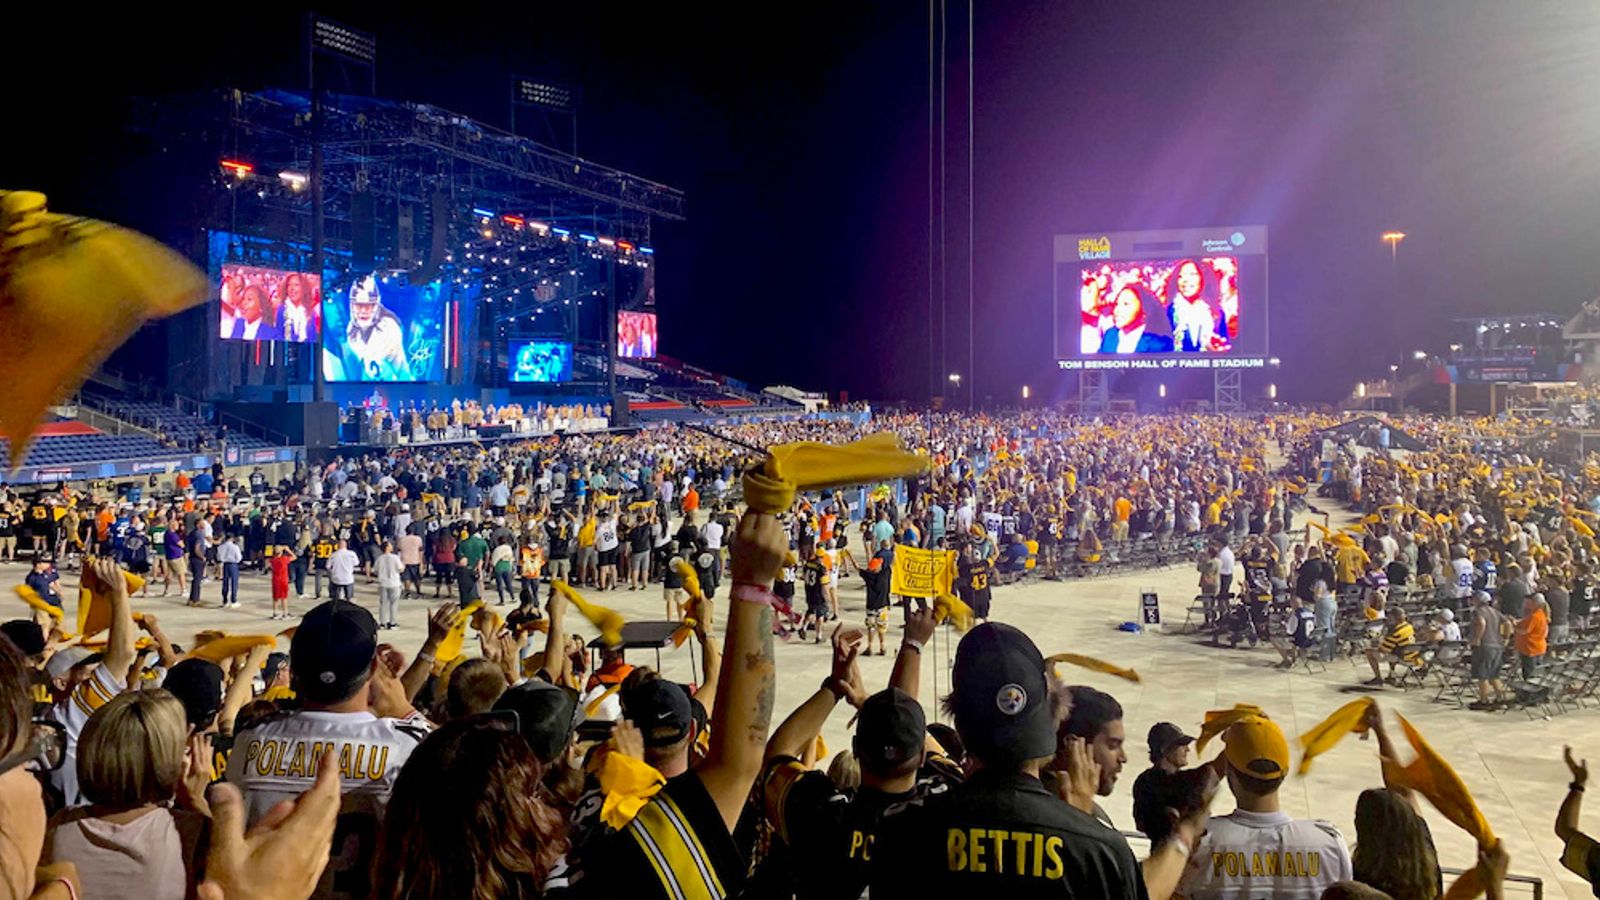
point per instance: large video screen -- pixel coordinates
(1159, 306)
(269, 304)
(541, 362)
(1195, 295)
(636, 335)
(385, 329)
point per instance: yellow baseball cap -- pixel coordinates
(1255, 746)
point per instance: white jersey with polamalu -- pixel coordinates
(1256, 856)
(277, 760)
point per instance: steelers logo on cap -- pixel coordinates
(1011, 699)
(327, 677)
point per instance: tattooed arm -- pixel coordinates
(742, 713)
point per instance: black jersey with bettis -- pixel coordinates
(1001, 835)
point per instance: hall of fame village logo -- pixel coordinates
(1094, 248)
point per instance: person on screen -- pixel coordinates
(374, 337)
(628, 338)
(252, 322)
(299, 309)
(647, 338)
(1135, 330)
(1096, 311)
(1194, 323)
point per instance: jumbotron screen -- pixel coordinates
(385, 329)
(636, 335)
(1195, 298)
(541, 362)
(261, 304)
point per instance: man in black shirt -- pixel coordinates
(972, 576)
(1002, 833)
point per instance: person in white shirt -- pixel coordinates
(342, 572)
(605, 545)
(1461, 573)
(78, 690)
(229, 555)
(1224, 568)
(1258, 850)
(389, 568)
(354, 713)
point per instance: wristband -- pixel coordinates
(913, 643)
(67, 883)
(427, 656)
(753, 593)
(1576, 786)
(1177, 843)
(832, 686)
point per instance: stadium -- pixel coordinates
(447, 451)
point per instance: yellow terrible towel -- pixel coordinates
(228, 646)
(1347, 719)
(90, 281)
(94, 600)
(1095, 665)
(628, 784)
(609, 621)
(450, 646)
(950, 608)
(806, 466)
(1433, 778)
(1219, 720)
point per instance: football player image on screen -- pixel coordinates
(374, 341)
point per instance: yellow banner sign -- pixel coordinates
(922, 573)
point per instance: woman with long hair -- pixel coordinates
(26, 746)
(1194, 322)
(1394, 848)
(469, 818)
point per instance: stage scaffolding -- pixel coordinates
(409, 187)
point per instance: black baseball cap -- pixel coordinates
(197, 683)
(1165, 735)
(889, 732)
(660, 709)
(26, 634)
(546, 715)
(1001, 699)
(332, 651)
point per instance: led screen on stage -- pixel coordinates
(541, 362)
(1197, 295)
(385, 329)
(636, 335)
(269, 304)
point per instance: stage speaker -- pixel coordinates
(405, 236)
(363, 231)
(619, 411)
(320, 424)
(439, 233)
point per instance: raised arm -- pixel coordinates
(120, 651)
(746, 690)
(556, 661)
(800, 730)
(416, 675)
(710, 655)
(907, 674)
(169, 657)
(240, 688)
(1567, 816)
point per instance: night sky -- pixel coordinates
(800, 135)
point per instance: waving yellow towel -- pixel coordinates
(609, 621)
(71, 291)
(1094, 665)
(808, 466)
(1433, 778)
(1347, 719)
(94, 603)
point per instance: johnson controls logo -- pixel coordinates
(1094, 248)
